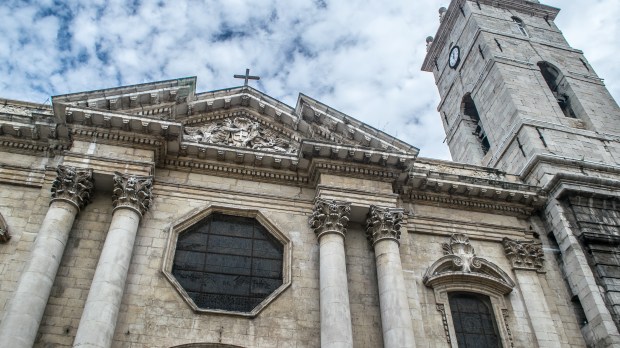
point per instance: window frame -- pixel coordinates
(498, 303)
(193, 218)
(520, 25)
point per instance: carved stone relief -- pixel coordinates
(74, 185)
(241, 132)
(329, 216)
(383, 223)
(132, 192)
(524, 254)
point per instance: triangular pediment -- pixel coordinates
(239, 124)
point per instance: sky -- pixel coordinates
(361, 57)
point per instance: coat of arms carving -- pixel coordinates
(240, 132)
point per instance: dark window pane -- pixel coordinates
(267, 268)
(473, 319)
(267, 249)
(228, 262)
(230, 245)
(189, 260)
(192, 241)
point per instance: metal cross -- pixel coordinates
(246, 77)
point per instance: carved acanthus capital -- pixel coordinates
(524, 254)
(329, 216)
(132, 192)
(383, 223)
(73, 185)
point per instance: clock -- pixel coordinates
(455, 57)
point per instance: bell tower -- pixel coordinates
(517, 97)
(514, 94)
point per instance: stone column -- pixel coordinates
(131, 199)
(383, 231)
(70, 192)
(329, 222)
(527, 259)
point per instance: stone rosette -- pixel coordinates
(383, 223)
(132, 192)
(329, 216)
(73, 185)
(524, 254)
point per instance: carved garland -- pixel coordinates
(444, 318)
(329, 216)
(73, 185)
(383, 223)
(505, 315)
(133, 192)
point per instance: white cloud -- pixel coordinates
(360, 57)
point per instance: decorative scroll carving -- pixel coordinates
(133, 192)
(444, 318)
(4, 231)
(383, 223)
(73, 185)
(461, 267)
(329, 216)
(524, 254)
(460, 247)
(240, 132)
(505, 315)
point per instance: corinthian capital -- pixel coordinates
(383, 223)
(132, 192)
(524, 254)
(329, 216)
(73, 185)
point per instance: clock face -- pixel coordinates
(455, 57)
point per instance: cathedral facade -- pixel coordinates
(153, 215)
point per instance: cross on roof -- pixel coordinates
(246, 77)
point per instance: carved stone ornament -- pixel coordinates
(74, 185)
(383, 223)
(133, 192)
(460, 265)
(240, 132)
(526, 254)
(4, 231)
(329, 216)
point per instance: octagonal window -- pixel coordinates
(229, 263)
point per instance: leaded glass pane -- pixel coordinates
(228, 262)
(473, 319)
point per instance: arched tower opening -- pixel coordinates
(470, 112)
(559, 87)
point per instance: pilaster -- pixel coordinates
(527, 260)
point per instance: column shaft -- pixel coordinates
(98, 320)
(395, 316)
(336, 328)
(23, 316)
